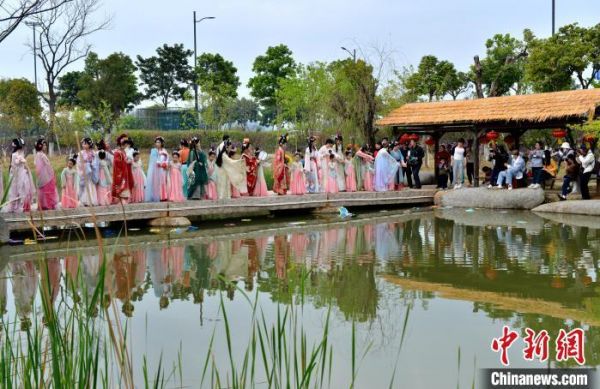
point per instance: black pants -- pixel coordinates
(583, 182)
(470, 172)
(408, 173)
(415, 173)
(442, 181)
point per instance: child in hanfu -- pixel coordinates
(349, 172)
(175, 179)
(103, 189)
(331, 183)
(298, 181)
(139, 179)
(69, 182)
(211, 186)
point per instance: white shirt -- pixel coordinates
(587, 162)
(459, 153)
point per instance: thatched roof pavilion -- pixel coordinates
(511, 114)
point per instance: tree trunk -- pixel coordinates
(478, 81)
(51, 100)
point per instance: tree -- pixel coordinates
(243, 111)
(304, 98)
(396, 92)
(218, 81)
(68, 89)
(454, 83)
(354, 95)
(13, 13)
(502, 68)
(20, 108)
(108, 88)
(270, 69)
(168, 75)
(62, 34)
(427, 79)
(573, 52)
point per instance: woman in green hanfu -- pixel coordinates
(196, 171)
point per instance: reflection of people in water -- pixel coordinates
(281, 252)
(125, 268)
(24, 285)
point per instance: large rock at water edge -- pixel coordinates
(576, 207)
(490, 198)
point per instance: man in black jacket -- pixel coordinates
(414, 162)
(500, 158)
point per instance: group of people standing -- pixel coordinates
(101, 175)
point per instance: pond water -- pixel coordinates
(427, 291)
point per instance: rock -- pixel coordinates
(4, 232)
(571, 219)
(490, 198)
(576, 207)
(170, 222)
(492, 218)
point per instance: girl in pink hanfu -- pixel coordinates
(69, 182)
(20, 193)
(175, 180)
(350, 173)
(298, 181)
(368, 169)
(104, 187)
(260, 189)
(46, 181)
(211, 186)
(139, 179)
(331, 183)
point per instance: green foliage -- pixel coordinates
(130, 122)
(218, 81)
(108, 88)
(396, 93)
(20, 109)
(502, 70)
(68, 89)
(435, 79)
(573, 52)
(68, 122)
(243, 110)
(270, 69)
(168, 75)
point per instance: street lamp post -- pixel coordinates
(553, 16)
(352, 53)
(33, 25)
(196, 21)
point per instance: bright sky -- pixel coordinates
(314, 29)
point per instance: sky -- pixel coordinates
(313, 29)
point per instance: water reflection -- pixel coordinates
(502, 262)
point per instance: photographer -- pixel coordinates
(414, 162)
(500, 158)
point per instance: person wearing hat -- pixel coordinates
(20, 193)
(587, 160)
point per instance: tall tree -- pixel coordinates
(277, 64)
(62, 34)
(354, 95)
(573, 52)
(68, 89)
(218, 81)
(108, 88)
(426, 80)
(502, 68)
(20, 108)
(167, 75)
(396, 93)
(243, 111)
(14, 12)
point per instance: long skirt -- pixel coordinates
(211, 190)
(69, 195)
(48, 196)
(298, 184)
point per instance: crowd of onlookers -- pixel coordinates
(518, 167)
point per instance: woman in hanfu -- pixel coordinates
(281, 173)
(122, 182)
(20, 193)
(196, 171)
(156, 179)
(46, 180)
(229, 172)
(367, 168)
(386, 168)
(251, 163)
(88, 166)
(260, 189)
(311, 166)
(339, 151)
(184, 154)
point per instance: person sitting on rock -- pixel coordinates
(514, 170)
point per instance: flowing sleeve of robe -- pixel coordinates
(279, 167)
(357, 163)
(43, 170)
(236, 172)
(150, 194)
(385, 170)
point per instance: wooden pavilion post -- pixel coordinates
(475, 153)
(436, 149)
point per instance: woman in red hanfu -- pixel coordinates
(281, 173)
(251, 166)
(122, 184)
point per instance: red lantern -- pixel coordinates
(430, 141)
(559, 133)
(404, 138)
(414, 137)
(509, 140)
(492, 135)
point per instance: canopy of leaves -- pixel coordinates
(396, 93)
(270, 69)
(435, 79)
(573, 52)
(20, 108)
(108, 87)
(68, 89)
(168, 75)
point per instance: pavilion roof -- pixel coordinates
(542, 110)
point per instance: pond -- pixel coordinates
(415, 295)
